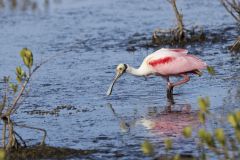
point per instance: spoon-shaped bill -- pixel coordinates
(112, 84)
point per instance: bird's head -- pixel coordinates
(120, 70)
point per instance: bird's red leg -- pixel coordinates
(185, 79)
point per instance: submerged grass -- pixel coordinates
(194, 36)
(47, 152)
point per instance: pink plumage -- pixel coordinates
(168, 62)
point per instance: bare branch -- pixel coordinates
(233, 8)
(8, 113)
(4, 133)
(180, 27)
(236, 45)
(20, 102)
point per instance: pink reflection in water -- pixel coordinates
(172, 121)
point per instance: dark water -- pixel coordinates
(90, 39)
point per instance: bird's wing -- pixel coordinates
(167, 51)
(179, 51)
(163, 52)
(173, 65)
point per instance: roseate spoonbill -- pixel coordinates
(165, 63)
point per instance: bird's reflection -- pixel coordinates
(168, 121)
(172, 120)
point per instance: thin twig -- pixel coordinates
(44, 62)
(236, 45)
(5, 95)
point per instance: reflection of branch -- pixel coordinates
(24, 144)
(126, 126)
(40, 129)
(113, 111)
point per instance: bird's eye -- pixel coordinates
(120, 69)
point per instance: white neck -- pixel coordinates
(136, 71)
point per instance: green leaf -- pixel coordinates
(201, 117)
(6, 79)
(20, 74)
(211, 70)
(206, 137)
(176, 157)
(204, 104)
(209, 139)
(232, 120)
(202, 133)
(26, 61)
(237, 115)
(187, 132)
(220, 136)
(19, 79)
(2, 154)
(13, 87)
(28, 53)
(22, 52)
(147, 148)
(237, 134)
(27, 57)
(18, 70)
(168, 144)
